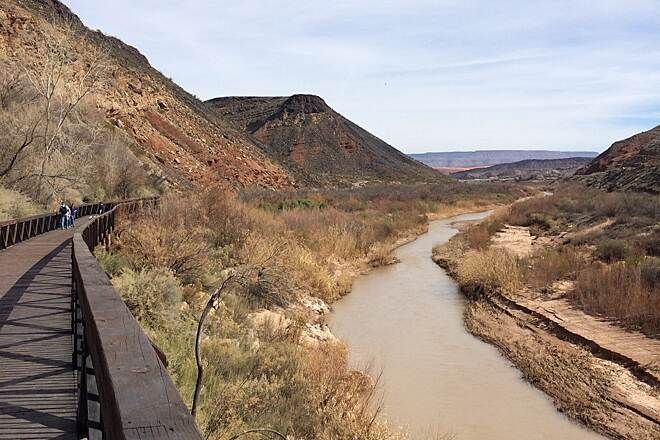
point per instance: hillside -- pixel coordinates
(169, 131)
(537, 169)
(631, 164)
(480, 158)
(317, 144)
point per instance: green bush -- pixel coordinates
(113, 263)
(612, 250)
(152, 295)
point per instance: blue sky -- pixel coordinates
(423, 75)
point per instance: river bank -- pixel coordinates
(404, 321)
(608, 384)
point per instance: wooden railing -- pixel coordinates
(15, 231)
(137, 397)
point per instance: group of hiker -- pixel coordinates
(69, 213)
(67, 216)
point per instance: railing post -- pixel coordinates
(83, 429)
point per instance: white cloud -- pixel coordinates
(423, 75)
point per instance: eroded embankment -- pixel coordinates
(608, 383)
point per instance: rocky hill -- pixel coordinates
(481, 158)
(181, 141)
(171, 132)
(317, 144)
(631, 164)
(531, 169)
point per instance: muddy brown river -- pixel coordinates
(405, 321)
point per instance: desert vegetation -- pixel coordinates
(55, 143)
(605, 245)
(274, 260)
(536, 270)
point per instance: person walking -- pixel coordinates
(74, 214)
(68, 216)
(62, 212)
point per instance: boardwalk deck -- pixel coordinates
(37, 381)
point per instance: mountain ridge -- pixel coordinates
(316, 142)
(482, 158)
(629, 164)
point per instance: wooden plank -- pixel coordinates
(138, 396)
(37, 381)
(37, 384)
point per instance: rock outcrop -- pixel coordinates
(632, 164)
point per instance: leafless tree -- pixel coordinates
(262, 274)
(39, 103)
(263, 432)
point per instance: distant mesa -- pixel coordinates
(449, 161)
(529, 169)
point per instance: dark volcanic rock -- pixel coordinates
(304, 104)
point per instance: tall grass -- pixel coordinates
(489, 271)
(553, 264)
(627, 292)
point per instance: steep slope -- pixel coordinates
(480, 158)
(631, 164)
(316, 143)
(527, 169)
(173, 134)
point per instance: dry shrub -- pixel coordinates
(489, 271)
(152, 295)
(342, 400)
(610, 251)
(302, 393)
(554, 264)
(13, 205)
(622, 291)
(230, 220)
(268, 259)
(313, 277)
(381, 256)
(478, 236)
(167, 237)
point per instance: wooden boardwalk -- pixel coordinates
(37, 381)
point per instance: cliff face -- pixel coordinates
(631, 164)
(174, 135)
(317, 144)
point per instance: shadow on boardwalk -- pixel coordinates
(37, 381)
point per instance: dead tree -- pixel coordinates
(38, 102)
(263, 271)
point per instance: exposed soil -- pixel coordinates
(600, 393)
(517, 240)
(598, 373)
